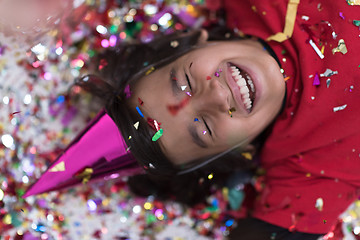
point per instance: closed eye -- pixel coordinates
(188, 81)
(207, 127)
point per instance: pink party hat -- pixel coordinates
(98, 152)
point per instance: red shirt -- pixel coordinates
(313, 152)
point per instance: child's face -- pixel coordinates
(200, 125)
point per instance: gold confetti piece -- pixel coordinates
(289, 22)
(7, 219)
(150, 71)
(340, 48)
(60, 167)
(340, 108)
(353, 2)
(319, 204)
(136, 125)
(85, 175)
(247, 155)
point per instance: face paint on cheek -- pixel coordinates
(174, 109)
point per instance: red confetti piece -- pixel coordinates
(140, 101)
(153, 124)
(174, 109)
(103, 63)
(208, 78)
(15, 113)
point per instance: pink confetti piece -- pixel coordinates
(316, 81)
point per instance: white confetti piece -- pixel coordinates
(340, 108)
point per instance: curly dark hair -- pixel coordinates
(121, 67)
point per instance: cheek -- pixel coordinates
(231, 134)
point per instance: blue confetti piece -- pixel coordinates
(196, 120)
(229, 222)
(60, 99)
(139, 111)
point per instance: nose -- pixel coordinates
(213, 98)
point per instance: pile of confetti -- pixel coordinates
(40, 113)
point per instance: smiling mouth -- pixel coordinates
(246, 86)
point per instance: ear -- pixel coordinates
(203, 37)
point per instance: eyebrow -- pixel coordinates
(196, 138)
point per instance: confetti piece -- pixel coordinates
(149, 71)
(289, 23)
(356, 23)
(340, 108)
(140, 101)
(353, 2)
(316, 81)
(60, 167)
(151, 166)
(231, 110)
(317, 50)
(183, 88)
(217, 74)
(136, 125)
(319, 205)
(153, 124)
(157, 135)
(174, 44)
(208, 78)
(247, 155)
(103, 63)
(15, 112)
(139, 111)
(341, 14)
(196, 120)
(328, 73)
(85, 175)
(204, 132)
(127, 91)
(340, 48)
(328, 81)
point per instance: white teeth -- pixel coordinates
(244, 90)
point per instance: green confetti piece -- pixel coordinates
(356, 23)
(157, 135)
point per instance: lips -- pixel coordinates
(242, 86)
